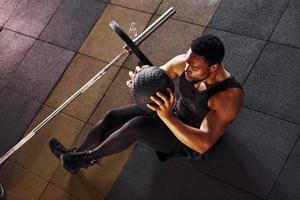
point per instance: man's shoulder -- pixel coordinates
(175, 66)
(228, 101)
(180, 64)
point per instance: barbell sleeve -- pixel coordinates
(159, 21)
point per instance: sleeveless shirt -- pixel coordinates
(191, 108)
(192, 105)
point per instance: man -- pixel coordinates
(209, 100)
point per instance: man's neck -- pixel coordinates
(218, 76)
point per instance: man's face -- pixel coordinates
(197, 69)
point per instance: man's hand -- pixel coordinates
(164, 105)
(133, 74)
(127, 49)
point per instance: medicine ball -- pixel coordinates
(147, 82)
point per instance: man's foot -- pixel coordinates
(57, 148)
(2, 192)
(73, 161)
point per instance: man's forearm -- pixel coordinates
(190, 136)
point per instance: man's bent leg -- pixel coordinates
(149, 130)
(112, 121)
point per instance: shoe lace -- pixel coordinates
(93, 160)
(98, 162)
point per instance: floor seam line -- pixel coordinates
(282, 168)
(267, 41)
(221, 180)
(11, 14)
(65, 113)
(50, 19)
(134, 9)
(271, 115)
(288, 3)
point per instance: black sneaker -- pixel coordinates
(2, 192)
(57, 148)
(73, 161)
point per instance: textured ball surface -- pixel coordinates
(147, 82)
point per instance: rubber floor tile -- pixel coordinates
(13, 49)
(254, 18)
(95, 182)
(53, 192)
(205, 187)
(287, 186)
(145, 177)
(16, 113)
(79, 72)
(171, 39)
(40, 70)
(117, 96)
(35, 154)
(20, 183)
(194, 11)
(287, 30)
(103, 43)
(7, 7)
(274, 85)
(31, 16)
(241, 52)
(251, 153)
(169, 176)
(72, 23)
(142, 5)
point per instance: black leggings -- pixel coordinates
(122, 127)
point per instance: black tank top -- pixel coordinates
(192, 105)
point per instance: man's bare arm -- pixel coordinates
(175, 66)
(212, 127)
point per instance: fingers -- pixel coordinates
(167, 102)
(164, 98)
(131, 74)
(137, 69)
(127, 49)
(157, 101)
(144, 66)
(152, 107)
(162, 101)
(129, 83)
(172, 96)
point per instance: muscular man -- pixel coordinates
(210, 98)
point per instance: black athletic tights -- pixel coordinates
(124, 126)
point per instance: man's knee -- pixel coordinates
(141, 126)
(139, 121)
(110, 115)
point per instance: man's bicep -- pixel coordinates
(214, 126)
(217, 120)
(175, 66)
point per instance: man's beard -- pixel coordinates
(193, 81)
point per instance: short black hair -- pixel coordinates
(210, 47)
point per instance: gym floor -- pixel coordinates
(50, 48)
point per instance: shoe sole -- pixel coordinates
(2, 193)
(62, 163)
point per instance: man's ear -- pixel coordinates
(214, 67)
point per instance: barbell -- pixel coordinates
(131, 44)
